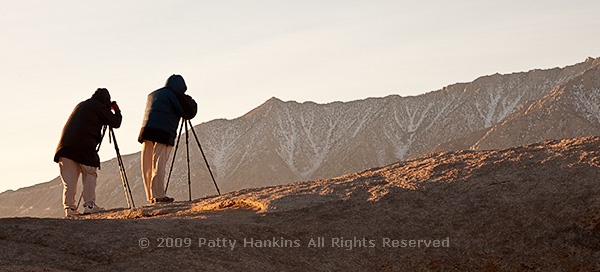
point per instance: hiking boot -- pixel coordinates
(165, 199)
(91, 208)
(71, 212)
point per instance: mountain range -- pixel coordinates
(281, 142)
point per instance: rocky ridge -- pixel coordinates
(534, 207)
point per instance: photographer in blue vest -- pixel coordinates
(164, 108)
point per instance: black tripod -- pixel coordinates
(187, 123)
(125, 182)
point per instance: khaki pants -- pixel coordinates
(69, 173)
(154, 163)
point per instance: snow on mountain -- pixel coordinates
(281, 142)
(571, 109)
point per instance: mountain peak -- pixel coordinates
(273, 100)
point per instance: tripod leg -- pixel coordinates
(174, 155)
(126, 188)
(126, 180)
(79, 202)
(204, 156)
(187, 148)
(101, 138)
(112, 135)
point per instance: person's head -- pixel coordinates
(102, 95)
(176, 83)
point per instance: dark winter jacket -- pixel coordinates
(164, 108)
(82, 132)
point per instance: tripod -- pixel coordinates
(124, 181)
(187, 123)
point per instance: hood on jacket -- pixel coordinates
(102, 95)
(176, 83)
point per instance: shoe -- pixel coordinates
(70, 212)
(165, 199)
(91, 208)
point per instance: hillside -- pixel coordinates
(533, 207)
(282, 142)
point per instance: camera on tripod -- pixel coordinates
(114, 106)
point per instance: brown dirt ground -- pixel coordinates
(533, 208)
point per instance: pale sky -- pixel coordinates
(235, 55)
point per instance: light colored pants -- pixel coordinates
(154, 163)
(69, 173)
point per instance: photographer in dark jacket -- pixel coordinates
(76, 152)
(164, 108)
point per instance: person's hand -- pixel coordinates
(114, 106)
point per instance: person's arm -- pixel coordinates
(187, 106)
(109, 118)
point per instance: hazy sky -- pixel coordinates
(235, 55)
